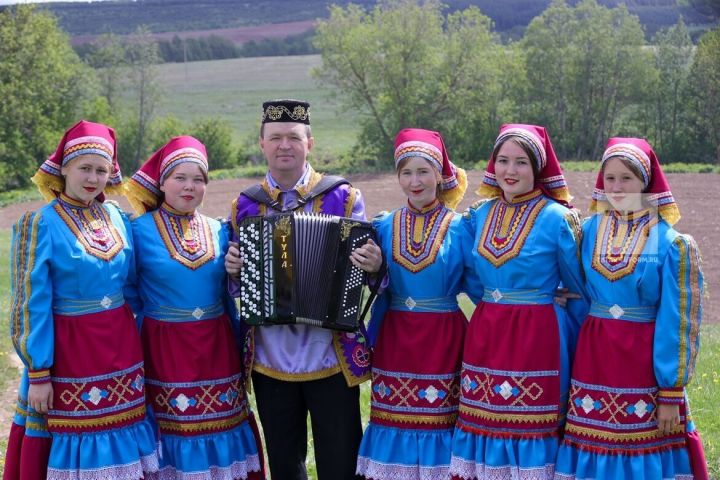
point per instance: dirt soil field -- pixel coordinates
(381, 192)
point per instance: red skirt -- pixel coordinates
(613, 402)
(415, 370)
(97, 366)
(511, 372)
(193, 372)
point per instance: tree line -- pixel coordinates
(215, 47)
(510, 17)
(584, 71)
(46, 87)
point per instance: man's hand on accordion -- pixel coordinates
(367, 258)
(233, 260)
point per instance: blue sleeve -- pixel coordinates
(571, 272)
(470, 283)
(131, 290)
(31, 319)
(677, 327)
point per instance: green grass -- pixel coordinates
(234, 90)
(8, 372)
(704, 392)
(19, 195)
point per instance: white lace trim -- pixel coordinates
(238, 470)
(372, 469)
(566, 476)
(130, 471)
(468, 470)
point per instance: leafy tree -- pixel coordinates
(403, 64)
(585, 66)
(673, 58)
(143, 56)
(704, 94)
(165, 128)
(217, 136)
(108, 59)
(42, 82)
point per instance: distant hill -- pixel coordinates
(199, 17)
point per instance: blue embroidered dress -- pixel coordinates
(70, 324)
(416, 360)
(517, 354)
(194, 372)
(636, 350)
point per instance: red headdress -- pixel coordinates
(550, 178)
(143, 189)
(657, 189)
(83, 138)
(416, 142)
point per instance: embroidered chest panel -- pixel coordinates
(188, 239)
(507, 227)
(92, 227)
(619, 243)
(417, 237)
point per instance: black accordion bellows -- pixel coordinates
(296, 269)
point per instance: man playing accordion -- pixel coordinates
(299, 369)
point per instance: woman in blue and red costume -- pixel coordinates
(81, 409)
(417, 321)
(195, 382)
(628, 415)
(518, 348)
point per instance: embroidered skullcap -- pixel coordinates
(83, 138)
(657, 189)
(143, 189)
(550, 178)
(428, 144)
(287, 110)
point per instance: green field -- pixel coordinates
(235, 89)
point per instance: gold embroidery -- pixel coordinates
(188, 237)
(350, 201)
(619, 243)
(509, 417)
(94, 223)
(224, 424)
(695, 301)
(412, 255)
(296, 377)
(345, 367)
(105, 420)
(617, 436)
(507, 227)
(417, 419)
(24, 264)
(682, 252)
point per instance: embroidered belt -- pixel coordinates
(641, 314)
(529, 296)
(172, 314)
(412, 304)
(83, 306)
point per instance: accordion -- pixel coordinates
(296, 269)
